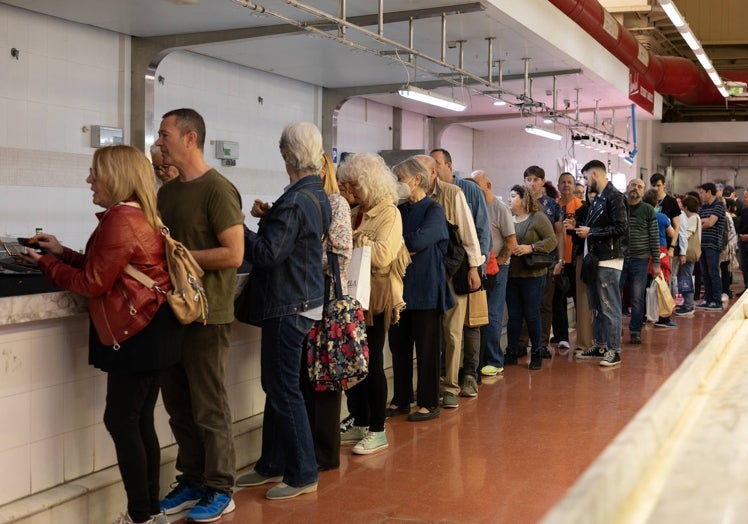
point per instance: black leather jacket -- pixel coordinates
(608, 223)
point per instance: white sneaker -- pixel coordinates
(155, 519)
(564, 344)
(725, 298)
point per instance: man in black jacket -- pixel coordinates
(605, 227)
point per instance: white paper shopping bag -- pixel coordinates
(359, 275)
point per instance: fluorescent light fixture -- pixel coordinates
(704, 60)
(691, 40)
(672, 12)
(499, 102)
(540, 131)
(714, 76)
(679, 22)
(435, 99)
(547, 120)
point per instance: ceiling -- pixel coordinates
(270, 43)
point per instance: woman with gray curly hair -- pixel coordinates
(376, 223)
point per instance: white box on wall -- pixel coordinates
(102, 136)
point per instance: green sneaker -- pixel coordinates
(491, 371)
(373, 441)
(449, 400)
(353, 434)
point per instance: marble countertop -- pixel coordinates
(41, 306)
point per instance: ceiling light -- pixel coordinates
(679, 22)
(435, 99)
(540, 131)
(672, 12)
(691, 40)
(547, 120)
(499, 102)
(704, 60)
(714, 76)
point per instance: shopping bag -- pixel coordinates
(685, 284)
(653, 306)
(665, 301)
(359, 275)
(477, 309)
(337, 345)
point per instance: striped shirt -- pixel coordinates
(711, 237)
(643, 236)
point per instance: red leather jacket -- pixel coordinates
(119, 305)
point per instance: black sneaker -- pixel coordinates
(611, 358)
(593, 353)
(346, 424)
(636, 338)
(545, 353)
(510, 360)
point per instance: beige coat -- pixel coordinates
(382, 229)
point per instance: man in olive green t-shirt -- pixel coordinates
(203, 211)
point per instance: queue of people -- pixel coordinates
(598, 247)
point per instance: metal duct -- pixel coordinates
(669, 75)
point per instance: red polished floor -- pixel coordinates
(506, 456)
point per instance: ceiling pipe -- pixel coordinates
(669, 75)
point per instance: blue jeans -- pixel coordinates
(287, 447)
(491, 333)
(605, 304)
(635, 272)
(710, 275)
(686, 269)
(523, 301)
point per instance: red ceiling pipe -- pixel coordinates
(669, 75)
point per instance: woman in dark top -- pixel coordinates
(526, 284)
(427, 294)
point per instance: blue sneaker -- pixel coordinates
(663, 323)
(211, 507)
(183, 496)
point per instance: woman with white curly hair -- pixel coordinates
(376, 223)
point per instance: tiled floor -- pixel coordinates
(506, 456)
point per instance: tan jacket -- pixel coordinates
(382, 229)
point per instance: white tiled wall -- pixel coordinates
(53, 403)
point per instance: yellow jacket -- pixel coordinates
(382, 229)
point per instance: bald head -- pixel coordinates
(481, 178)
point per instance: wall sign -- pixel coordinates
(641, 91)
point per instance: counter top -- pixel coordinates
(42, 306)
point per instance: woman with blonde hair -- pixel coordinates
(376, 223)
(134, 333)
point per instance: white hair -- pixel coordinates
(301, 147)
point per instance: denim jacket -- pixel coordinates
(286, 252)
(608, 223)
